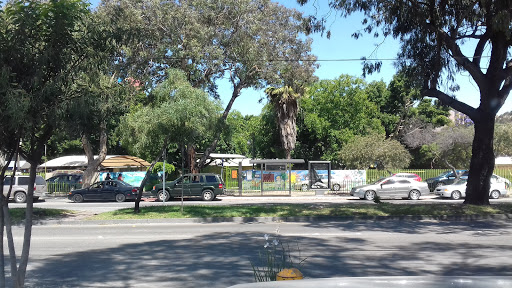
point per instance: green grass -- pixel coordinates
(334, 210)
(274, 210)
(18, 214)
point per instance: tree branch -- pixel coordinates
(479, 49)
(452, 102)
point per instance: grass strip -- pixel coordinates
(281, 210)
(18, 214)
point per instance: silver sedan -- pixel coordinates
(392, 187)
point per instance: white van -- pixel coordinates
(20, 188)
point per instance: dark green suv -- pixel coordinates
(205, 185)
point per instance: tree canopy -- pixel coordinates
(432, 36)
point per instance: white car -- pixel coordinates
(457, 190)
(20, 188)
(393, 187)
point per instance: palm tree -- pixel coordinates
(285, 102)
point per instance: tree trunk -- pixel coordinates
(136, 208)
(93, 164)
(191, 153)
(27, 236)
(236, 92)
(482, 161)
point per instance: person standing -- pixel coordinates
(120, 177)
(108, 177)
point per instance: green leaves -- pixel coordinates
(364, 151)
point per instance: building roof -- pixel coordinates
(503, 161)
(111, 161)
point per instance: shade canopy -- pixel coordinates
(111, 161)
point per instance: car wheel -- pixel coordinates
(120, 197)
(163, 195)
(414, 194)
(456, 195)
(20, 197)
(304, 187)
(78, 198)
(495, 194)
(208, 195)
(336, 187)
(369, 195)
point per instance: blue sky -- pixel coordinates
(342, 46)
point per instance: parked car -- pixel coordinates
(457, 190)
(64, 182)
(336, 184)
(391, 187)
(447, 177)
(494, 179)
(205, 185)
(107, 190)
(412, 176)
(20, 188)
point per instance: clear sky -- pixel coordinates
(341, 46)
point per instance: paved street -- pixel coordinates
(219, 254)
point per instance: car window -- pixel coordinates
(404, 181)
(23, 181)
(111, 183)
(186, 180)
(7, 180)
(40, 180)
(210, 178)
(97, 185)
(390, 181)
(195, 178)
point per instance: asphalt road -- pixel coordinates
(220, 254)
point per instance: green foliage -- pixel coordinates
(332, 113)
(159, 167)
(180, 114)
(431, 111)
(451, 147)
(502, 140)
(365, 151)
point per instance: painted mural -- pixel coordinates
(278, 180)
(133, 178)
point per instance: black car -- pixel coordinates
(107, 190)
(445, 178)
(205, 185)
(64, 183)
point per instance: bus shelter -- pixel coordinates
(277, 165)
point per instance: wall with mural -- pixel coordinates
(278, 180)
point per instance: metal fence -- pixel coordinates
(253, 187)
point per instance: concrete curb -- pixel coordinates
(239, 220)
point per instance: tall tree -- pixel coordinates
(432, 36)
(40, 50)
(252, 42)
(332, 113)
(286, 105)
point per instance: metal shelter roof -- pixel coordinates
(276, 161)
(111, 161)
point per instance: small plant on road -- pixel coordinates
(273, 258)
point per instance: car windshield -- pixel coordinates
(379, 181)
